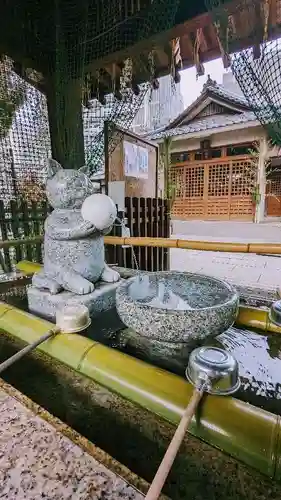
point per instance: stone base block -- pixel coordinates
(44, 304)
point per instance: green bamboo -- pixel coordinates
(243, 431)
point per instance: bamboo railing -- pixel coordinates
(213, 246)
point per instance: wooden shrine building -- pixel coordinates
(212, 170)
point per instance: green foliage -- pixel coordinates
(165, 164)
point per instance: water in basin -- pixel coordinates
(172, 293)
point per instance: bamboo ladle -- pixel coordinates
(70, 319)
(210, 370)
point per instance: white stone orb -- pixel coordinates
(100, 210)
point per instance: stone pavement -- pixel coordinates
(248, 270)
(268, 232)
(257, 271)
(37, 461)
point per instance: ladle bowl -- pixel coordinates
(73, 318)
(214, 368)
(275, 313)
(176, 307)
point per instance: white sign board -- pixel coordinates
(116, 191)
(135, 160)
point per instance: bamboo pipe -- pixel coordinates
(251, 317)
(226, 423)
(213, 246)
(19, 242)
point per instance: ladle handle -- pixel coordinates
(170, 455)
(30, 347)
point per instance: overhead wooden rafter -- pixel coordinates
(247, 28)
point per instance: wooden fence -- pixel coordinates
(145, 217)
(19, 221)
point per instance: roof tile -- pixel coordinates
(208, 123)
(212, 89)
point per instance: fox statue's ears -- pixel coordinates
(52, 168)
(84, 170)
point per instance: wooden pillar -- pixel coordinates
(106, 154)
(166, 149)
(157, 173)
(64, 100)
(261, 179)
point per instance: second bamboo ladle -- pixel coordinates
(72, 318)
(210, 370)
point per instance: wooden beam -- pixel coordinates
(129, 133)
(190, 16)
(235, 46)
(106, 154)
(156, 39)
(209, 50)
(187, 50)
(208, 35)
(163, 56)
(64, 101)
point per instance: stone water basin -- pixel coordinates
(177, 307)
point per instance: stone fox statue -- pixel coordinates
(73, 248)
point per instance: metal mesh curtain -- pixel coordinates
(257, 68)
(83, 32)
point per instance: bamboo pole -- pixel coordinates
(253, 317)
(208, 246)
(17, 243)
(227, 423)
(162, 473)
(27, 349)
(213, 246)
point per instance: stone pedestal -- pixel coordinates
(44, 304)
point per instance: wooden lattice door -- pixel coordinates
(243, 181)
(189, 188)
(218, 190)
(217, 203)
(273, 195)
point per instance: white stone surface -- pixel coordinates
(258, 271)
(267, 232)
(250, 270)
(38, 462)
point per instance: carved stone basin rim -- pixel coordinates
(176, 307)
